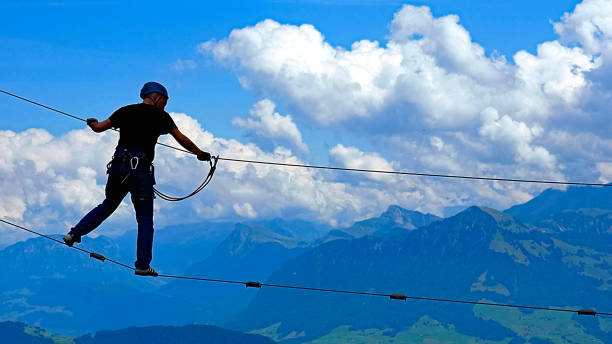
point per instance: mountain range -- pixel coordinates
(562, 258)
(553, 251)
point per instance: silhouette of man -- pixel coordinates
(131, 168)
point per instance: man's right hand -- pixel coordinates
(99, 127)
(204, 156)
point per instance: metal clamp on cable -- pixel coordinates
(398, 297)
(587, 312)
(97, 256)
(252, 284)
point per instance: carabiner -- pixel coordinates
(132, 164)
(216, 159)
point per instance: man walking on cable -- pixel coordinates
(131, 168)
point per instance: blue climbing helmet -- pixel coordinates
(151, 87)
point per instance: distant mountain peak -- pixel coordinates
(408, 219)
(553, 201)
(393, 219)
(245, 237)
(394, 209)
(496, 214)
(295, 228)
(494, 218)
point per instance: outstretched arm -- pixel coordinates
(186, 142)
(99, 127)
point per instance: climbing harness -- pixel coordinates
(139, 160)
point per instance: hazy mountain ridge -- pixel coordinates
(250, 252)
(15, 332)
(192, 334)
(395, 220)
(177, 247)
(408, 219)
(245, 238)
(562, 259)
(299, 229)
(551, 202)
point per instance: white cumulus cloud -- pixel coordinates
(589, 25)
(506, 130)
(605, 170)
(352, 157)
(265, 122)
(331, 83)
(431, 76)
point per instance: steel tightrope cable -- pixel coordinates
(325, 290)
(347, 169)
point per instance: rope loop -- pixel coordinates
(213, 167)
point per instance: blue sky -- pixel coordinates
(94, 55)
(495, 88)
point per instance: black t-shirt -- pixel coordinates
(140, 125)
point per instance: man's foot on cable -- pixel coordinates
(70, 239)
(146, 272)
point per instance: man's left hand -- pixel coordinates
(204, 156)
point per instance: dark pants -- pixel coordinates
(139, 183)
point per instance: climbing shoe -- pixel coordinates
(70, 239)
(145, 272)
